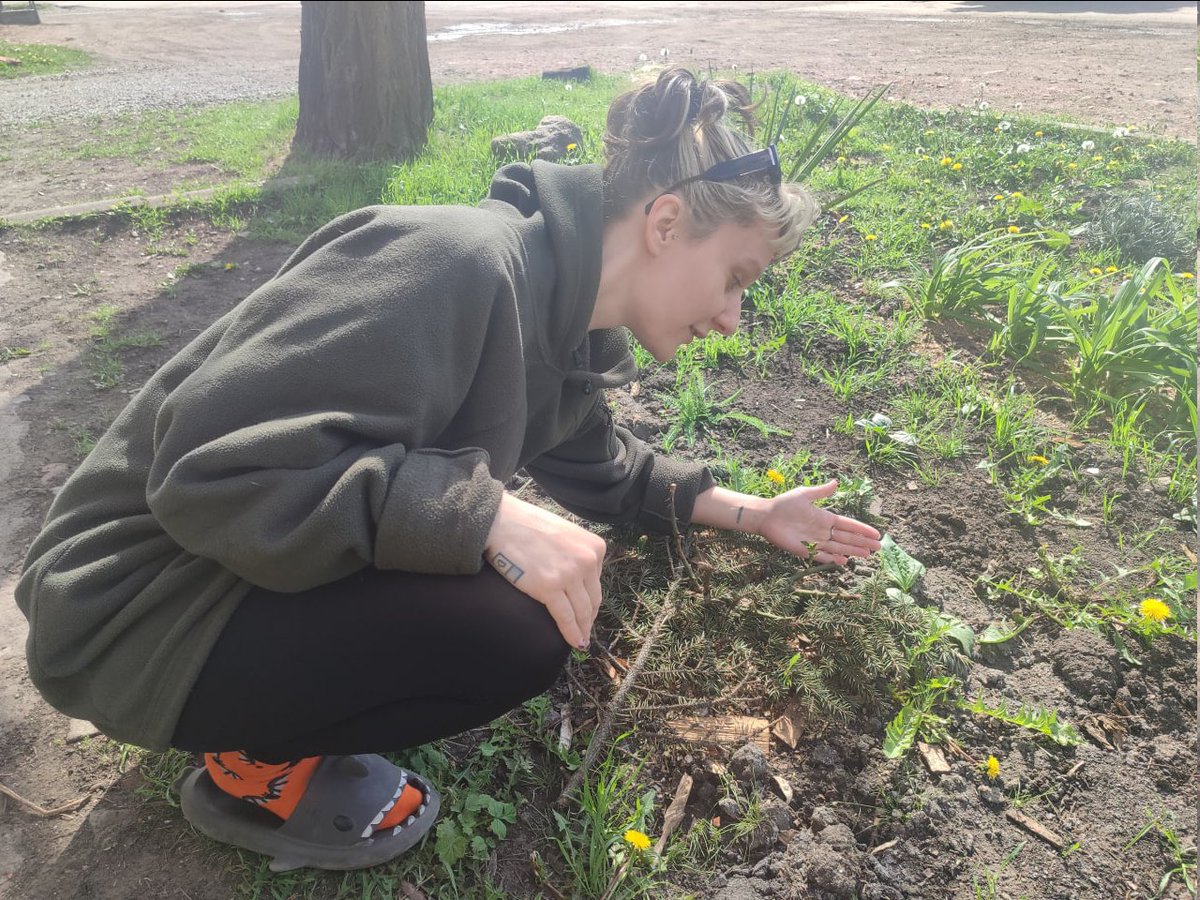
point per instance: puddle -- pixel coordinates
(475, 29)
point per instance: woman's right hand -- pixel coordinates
(554, 561)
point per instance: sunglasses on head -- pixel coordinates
(760, 161)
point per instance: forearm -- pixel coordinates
(723, 508)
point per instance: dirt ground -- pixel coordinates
(1099, 64)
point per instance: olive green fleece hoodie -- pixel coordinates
(362, 408)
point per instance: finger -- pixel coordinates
(595, 594)
(581, 604)
(841, 536)
(823, 557)
(828, 489)
(845, 523)
(563, 613)
(840, 549)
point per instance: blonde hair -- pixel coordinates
(678, 127)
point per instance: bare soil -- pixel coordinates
(1088, 66)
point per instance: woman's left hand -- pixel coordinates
(791, 522)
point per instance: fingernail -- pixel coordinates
(582, 645)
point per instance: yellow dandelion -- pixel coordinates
(229, 267)
(1013, 229)
(945, 161)
(998, 197)
(1187, 275)
(637, 840)
(1037, 134)
(571, 147)
(775, 476)
(1015, 194)
(1072, 166)
(886, 147)
(926, 225)
(841, 159)
(842, 219)
(945, 225)
(870, 237)
(1095, 271)
(957, 167)
(1132, 127)
(1039, 460)
(1097, 158)
(996, 129)
(928, 131)
(1110, 269)
(993, 767)
(1154, 609)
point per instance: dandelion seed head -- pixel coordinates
(1004, 126)
(1023, 148)
(1088, 145)
(800, 100)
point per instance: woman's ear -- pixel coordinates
(664, 223)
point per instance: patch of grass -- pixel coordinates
(40, 59)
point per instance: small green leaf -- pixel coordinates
(899, 566)
(451, 845)
(901, 732)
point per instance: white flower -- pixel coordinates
(1088, 145)
(983, 104)
(1023, 148)
(800, 100)
(1004, 126)
(1121, 132)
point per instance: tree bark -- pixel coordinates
(365, 87)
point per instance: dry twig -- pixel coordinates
(40, 810)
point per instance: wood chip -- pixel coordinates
(565, 731)
(1071, 772)
(1035, 828)
(1187, 551)
(674, 814)
(886, 845)
(789, 726)
(783, 789)
(723, 731)
(934, 759)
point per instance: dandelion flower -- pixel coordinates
(885, 147)
(928, 131)
(229, 267)
(945, 161)
(926, 225)
(637, 840)
(1110, 269)
(1095, 271)
(945, 225)
(841, 159)
(998, 197)
(1187, 274)
(1023, 148)
(996, 129)
(1154, 609)
(957, 167)
(775, 476)
(1097, 158)
(800, 100)
(1072, 166)
(1088, 145)
(1037, 134)
(993, 767)
(1038, 460)
(1013, 229)
(569, 86)
(1015, 194)
(1004, 126)
(983, 104)
(842, 219)
(572, 147)
(1121, 132)
(870, 237)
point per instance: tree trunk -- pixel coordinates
(365, 87)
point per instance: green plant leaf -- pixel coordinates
(995, 634)
(901, 568)
(451, 844)
(901, 732)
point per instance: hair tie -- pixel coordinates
(694, 102)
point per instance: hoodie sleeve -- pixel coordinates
(296, 453)
(605, 474)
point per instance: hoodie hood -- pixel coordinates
(559, 209)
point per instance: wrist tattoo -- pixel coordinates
(738, 520)
(507, 568)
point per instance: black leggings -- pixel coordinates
(375, 662)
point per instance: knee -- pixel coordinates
(536, 651)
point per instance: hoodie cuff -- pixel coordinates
(690, 479)
(438, 513)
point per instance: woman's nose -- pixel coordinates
(727, 321)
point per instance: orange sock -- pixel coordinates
(278, 787)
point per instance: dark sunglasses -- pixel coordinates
(751, 164)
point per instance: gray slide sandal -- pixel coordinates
(332, 827)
